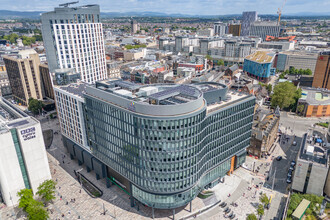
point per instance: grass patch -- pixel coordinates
(312, 211)
(323, 124)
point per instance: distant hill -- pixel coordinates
(6, 14)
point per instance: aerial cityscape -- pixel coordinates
(164, 110)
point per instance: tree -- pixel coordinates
(269, 88)
(208, 57)
(260, 210)
(251, 217)
(300, 108)
(25, 197)
(264, 199)
(221, 62)
(35, 106)
(284, 95)
(47, 190)
(36, 211)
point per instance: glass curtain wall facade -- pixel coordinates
(169, 160)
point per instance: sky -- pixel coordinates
(191, 7)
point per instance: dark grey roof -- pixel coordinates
(75, 88)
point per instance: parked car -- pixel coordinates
(294, 143)
(223, 204)
(290, 173)
(293, 163)
(233, 216)
(289, 180)
(291, 168)
(279, 158)
(227, 210)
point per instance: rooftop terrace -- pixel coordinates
(261, 56)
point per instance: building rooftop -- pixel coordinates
(261, 56)
(75, 88)
(315, 148)
(315, 96)
(12, 117)
(157, 94)
(231, 97)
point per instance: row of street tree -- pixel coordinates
(35, 208)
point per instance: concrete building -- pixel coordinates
(277, 45)
(73, 38)
(219, 28)
(322, 71)
(264, 28)
(4, 81)
(130, 55)
(113, 69)
(264, 132)
(247, 19)
(234, 29)
(24, 76)
(260, 65)
(23, 158)
(312, 164)
(296, 59)
(315, 102)
(209, 32)
(140, 153)
(134, 26)
(46, 81)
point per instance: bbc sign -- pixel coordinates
(28, 134)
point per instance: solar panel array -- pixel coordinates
(182, 89)
(19, 123)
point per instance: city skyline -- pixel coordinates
(187, 7)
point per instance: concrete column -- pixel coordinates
(88, 169)
(190, 206)
(71, 157)
(132, 201)
(97, 176)
(79, 163)
(173, 214)
(153, 213)
(108, 182)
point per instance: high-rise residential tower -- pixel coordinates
(24, 76)
(73, 38)
(322, 71)
(219, 28)
(248, 18)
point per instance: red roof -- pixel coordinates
(288, 38)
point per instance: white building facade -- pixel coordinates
(73, 38)
(69, 103)
(23, 158)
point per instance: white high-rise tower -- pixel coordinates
(73, 38)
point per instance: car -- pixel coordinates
(233, 216)
(289, 180)
(290, 173)
(227, 210)
(291, 168)
(223, 204)
(294, 143)
(279, 158)
(293, 163)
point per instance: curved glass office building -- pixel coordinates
(162, 143)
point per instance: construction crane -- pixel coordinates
(279, 12)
